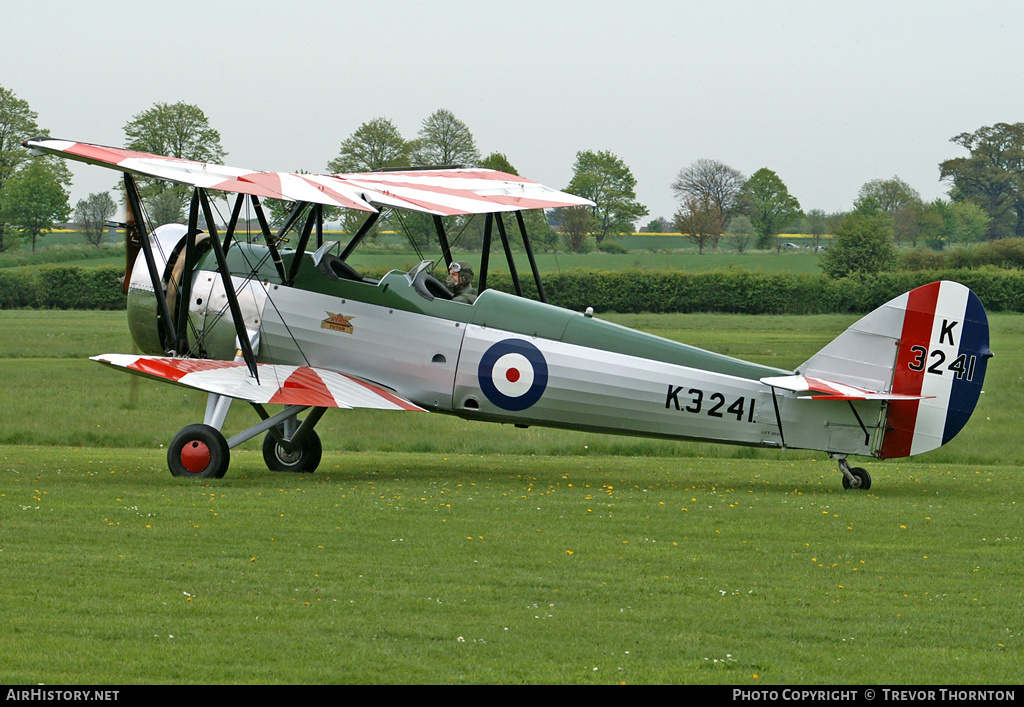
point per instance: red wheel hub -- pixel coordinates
(195, 457)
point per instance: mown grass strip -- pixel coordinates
(410, 568)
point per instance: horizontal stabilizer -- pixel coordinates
(829, 390)
(277, 384)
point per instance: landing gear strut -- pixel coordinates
(854, 477)
(200, 451)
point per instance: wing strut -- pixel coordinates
(167, 331)
(508, 255)
(485, 252)
(233, 223)
(229, 287)
(269, 238)
(360, 235)
(529, 255)
(442, 238)
(315, 217)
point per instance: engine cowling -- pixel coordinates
(143, 311)
(211, 332)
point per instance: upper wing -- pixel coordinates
(444, 192)
(285, 385)
(272, 185)
(448, 192)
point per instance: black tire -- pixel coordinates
(864, 477)
(303, 460)
(199, 452)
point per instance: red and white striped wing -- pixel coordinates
(284, 385)
(448, 192)
(444, 192)
(271, 185)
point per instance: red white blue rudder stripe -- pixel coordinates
(942, 355)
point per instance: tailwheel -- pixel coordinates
(854, 477)
(199, 451)
(303, 457)
(861, 479)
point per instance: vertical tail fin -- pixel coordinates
(930, 342)
(943, 354)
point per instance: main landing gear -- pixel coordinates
(290, 444)
(854, 477)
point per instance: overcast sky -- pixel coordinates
(827, 94)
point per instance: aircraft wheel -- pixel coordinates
(305, 459)
(862, 482)
(199, 451)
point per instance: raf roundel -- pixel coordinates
(513, 374)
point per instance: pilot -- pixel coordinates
(460, 282)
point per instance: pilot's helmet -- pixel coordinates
(464, 271)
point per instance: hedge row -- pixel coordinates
(744, 292)
(735, 291)
(60, 287)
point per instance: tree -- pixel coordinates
(656, 225)
(608, 182)
(35, 200)
(741, 230)
(992, 176)
(167, 207)
(816, 223)
(970, 222)
(718, 182)
(769, 205)
(700, 219)
(444, 140)
(902, 202)
(499, 162)
(862, 243)
(577, 224)
(891, 194)
(17, 124)
(959, 222)
(179, 130)
(373, 146)
(92, 213)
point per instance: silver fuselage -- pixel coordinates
(508, 359)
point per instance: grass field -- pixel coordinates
(431, 550)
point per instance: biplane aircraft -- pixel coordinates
(299, 327)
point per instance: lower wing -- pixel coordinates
(277, 384)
